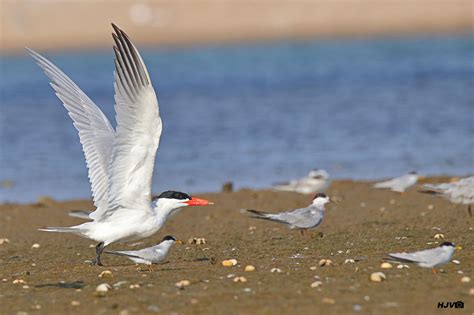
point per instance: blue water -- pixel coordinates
(256, 113)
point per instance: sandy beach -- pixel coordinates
(366, 223)
(52, 25)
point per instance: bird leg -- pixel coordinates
(150, 267)
(469, 210)
(98, 251)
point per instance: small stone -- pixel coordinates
(357, 308)
(471, 291)
(153, 308)
(392, 201)
(430, 207)
(183, 283)
(240, 279)
(316, 284)
(36, 307)
(386, 265)
(35, 245)
(328, 301)
(277, 270)
(349, 261)
(102, 289)
(252, 228)
(377, 277)
(363, 205)
(106, 274)
(75, 303)
(439, 236)
(18, 281)
(249, 268)
(194, 301)
(134, 286)
(229, 262)
(325, 262)
(4, 241)
(382, 209)
(400, 266)
(465, 279)
(456, 262)
(26, 287)
(313, 268)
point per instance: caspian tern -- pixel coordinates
(461, 191)
(301, 219)
(150, 255)
(428, 258)
(120, 161)
(399, 184)
(317, 181)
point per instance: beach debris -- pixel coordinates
(153, 308)
(134, 286)
(106, 274)
(26, 286)
(430, 207)
(4, 241)
(313, 268)
(35, 307)
(328, 301)
(197, 240)
(325, 262)
(277, 270)
(35, 245)
(471, 291)
(349, 261)
(18, 281)
(386, 265)
(183, 283)
(102, 289)
(392, 201)
(118, 284)
(401, 266)
(363, 204)
(252, 228)
(227, 187)
(75, 303)
(455, 261)
(249, 268)
(465, 279)
(240, 279)
(357, 308)
(229, 262)
(377, 277)
(316, 284)
(439, 236)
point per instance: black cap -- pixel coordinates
(448, 244)
(169, 238)
(174, 195)
(320, 195)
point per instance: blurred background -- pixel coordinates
(252, 92)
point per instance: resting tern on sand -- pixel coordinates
(429, 258)
(301, 219)
(461, 191)
(150, 255)
(120, 161)
(317, 181)
(399, 184)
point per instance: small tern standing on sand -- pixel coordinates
(399, 184)
(429, 258)
(149, 255)
(120, 161)
(301, 219)
(317, 181)
(461, 191)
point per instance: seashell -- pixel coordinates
(377, 277)
(249, 268)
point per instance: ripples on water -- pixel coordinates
(256, 113)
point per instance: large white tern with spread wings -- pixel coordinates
(120, 161)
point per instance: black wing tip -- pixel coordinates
(259, 213)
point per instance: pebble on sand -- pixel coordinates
(465, 279)
(316, 284)
(377, 277)
(19, 281)
(349, 261)
(183, 283)
(35, 245)
(386, 265)
(102, 289)
(106, 274)
(471, 291)
(229, 262)
(329, 301)
(4, 241)
(240, 279)
(249, 268)
(277, 270)
(325, 262)
(75, 303)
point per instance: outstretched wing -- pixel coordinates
(95, 132)
(138, 131)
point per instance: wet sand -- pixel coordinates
(365, 223)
